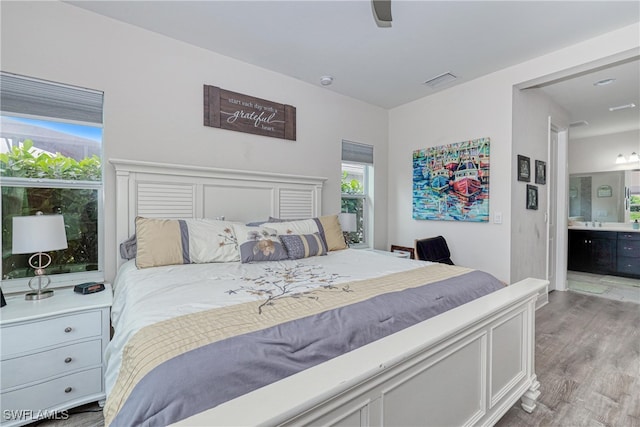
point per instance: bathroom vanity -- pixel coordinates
(604, 250)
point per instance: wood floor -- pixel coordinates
(588, 364)
(587, 361)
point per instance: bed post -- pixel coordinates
(530, 397)
(122, 209)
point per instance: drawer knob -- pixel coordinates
(68, 329)
(68, 360)
(68, 389)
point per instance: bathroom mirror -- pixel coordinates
(602, 196)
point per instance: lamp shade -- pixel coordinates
(38, 233)
(348, 222)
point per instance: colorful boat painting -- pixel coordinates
(451, 182)
(466, 181)
(440, 179)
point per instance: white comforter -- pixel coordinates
(143, 297)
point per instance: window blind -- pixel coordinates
(357, 152)
(33, 97)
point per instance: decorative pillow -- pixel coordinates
(255, 223)
(184, 241)
(303, 245)
(305, 226)
(212, 241)
(128, 248)
(259, 244)
(327, 226)
(330, 225)
(273, 219)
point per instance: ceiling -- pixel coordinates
(588, 102)
(388, 66)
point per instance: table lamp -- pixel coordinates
(36, 234)
(348, 223)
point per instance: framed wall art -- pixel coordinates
(541, 172)
(605, 191)
(451, 182)
(532, 197)
(524, 168)
(238, 112)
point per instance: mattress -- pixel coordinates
(241, 326)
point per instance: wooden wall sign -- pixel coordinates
(242, 113)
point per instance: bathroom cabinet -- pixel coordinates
(604, 252)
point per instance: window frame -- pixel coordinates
(632, 214)
(367, 204)
(63, 279)
(33, 98)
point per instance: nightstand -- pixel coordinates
(52, 354)
(393, 254)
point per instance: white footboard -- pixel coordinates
(467, 366)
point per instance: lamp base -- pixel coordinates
(42, 294)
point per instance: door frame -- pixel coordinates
(560, 180)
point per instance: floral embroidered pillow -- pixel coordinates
(259, 244)
(183, 241)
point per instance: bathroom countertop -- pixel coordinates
(605, 227)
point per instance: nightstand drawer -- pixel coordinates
(55, 392)
(31, 336)
(40, 366)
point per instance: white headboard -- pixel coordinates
(178, 191)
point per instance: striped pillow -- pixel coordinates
(327, 226)
(184, 241)
(303, 245)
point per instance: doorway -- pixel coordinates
(578, 92)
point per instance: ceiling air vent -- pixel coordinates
(440, 80)
(579, 123)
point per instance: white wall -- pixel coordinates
(479, 108)
(598, 153)
(153, 102)
(153, 111)
(531, 111)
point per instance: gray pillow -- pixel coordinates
(129, 248)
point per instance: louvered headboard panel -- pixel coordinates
(164, 200)
(295, 204)
(177, 191)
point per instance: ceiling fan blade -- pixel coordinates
(382, 12)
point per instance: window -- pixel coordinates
(634, 206)
(357, 189)
(51, 161)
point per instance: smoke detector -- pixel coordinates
(326, 80)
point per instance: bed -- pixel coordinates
(462, 361)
